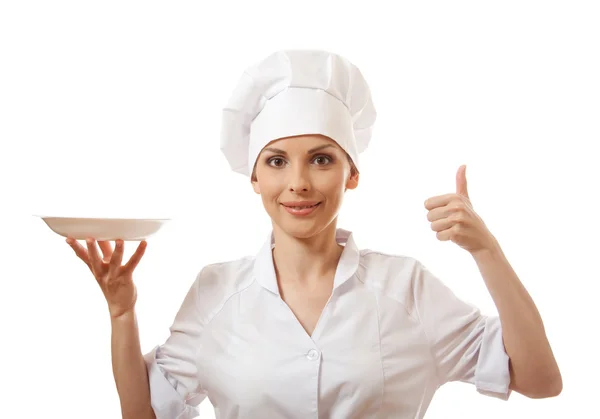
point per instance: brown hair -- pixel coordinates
(353, 169)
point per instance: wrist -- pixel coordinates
(491, 251)
(122, 316)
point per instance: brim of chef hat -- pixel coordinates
(302, 111)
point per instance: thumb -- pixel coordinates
(461, 181)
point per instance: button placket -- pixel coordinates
(312, 354)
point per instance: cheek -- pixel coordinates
(332, 187)
(270, 189)
(336, 180)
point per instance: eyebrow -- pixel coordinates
(312, 150)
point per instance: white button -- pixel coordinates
(312, 354)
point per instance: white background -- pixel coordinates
(113, 109)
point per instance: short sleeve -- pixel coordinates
(466, 345)
(175, 390)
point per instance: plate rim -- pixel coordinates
(101, 218)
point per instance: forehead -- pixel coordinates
(302, 142)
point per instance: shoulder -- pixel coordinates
(387, 269)
(217, 283)
(396, 276)
(226, 277)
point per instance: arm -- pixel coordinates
(533, 369)
(175, 388)
(129, 368)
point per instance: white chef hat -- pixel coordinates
(292, 93)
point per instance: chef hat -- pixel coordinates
(293, 93)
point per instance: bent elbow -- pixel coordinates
(537, 385)
(555, 388)
(545, 389)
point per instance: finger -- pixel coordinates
(439, 201)
(106, 250)
(443, 224)
(116, 259)
(80, 251)
(93, 255)
(444, 235)
(438, 213)
(136, 257)
(450, 233)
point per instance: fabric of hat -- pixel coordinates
(292, 93)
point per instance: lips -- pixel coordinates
(300, 208)
(300, 204)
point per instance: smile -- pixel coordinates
(301, 210)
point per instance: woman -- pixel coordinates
(312, 326)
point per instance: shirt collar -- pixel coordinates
(264, 268)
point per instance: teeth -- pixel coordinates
(301, 208)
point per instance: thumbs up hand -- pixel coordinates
(452, 218)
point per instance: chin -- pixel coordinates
(300, 232)
(302, 229)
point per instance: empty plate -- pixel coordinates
(132, 229)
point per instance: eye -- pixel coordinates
(322, 160)
(276, 162)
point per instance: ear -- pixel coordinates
(352, 182)
(255, 186)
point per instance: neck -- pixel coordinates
(308, 261)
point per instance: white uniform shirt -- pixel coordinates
(389, 336)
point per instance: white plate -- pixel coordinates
(133, 229)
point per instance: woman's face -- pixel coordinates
(308, 170)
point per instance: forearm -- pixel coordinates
(534, 371)
(129, 368)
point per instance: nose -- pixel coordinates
(299, 180)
